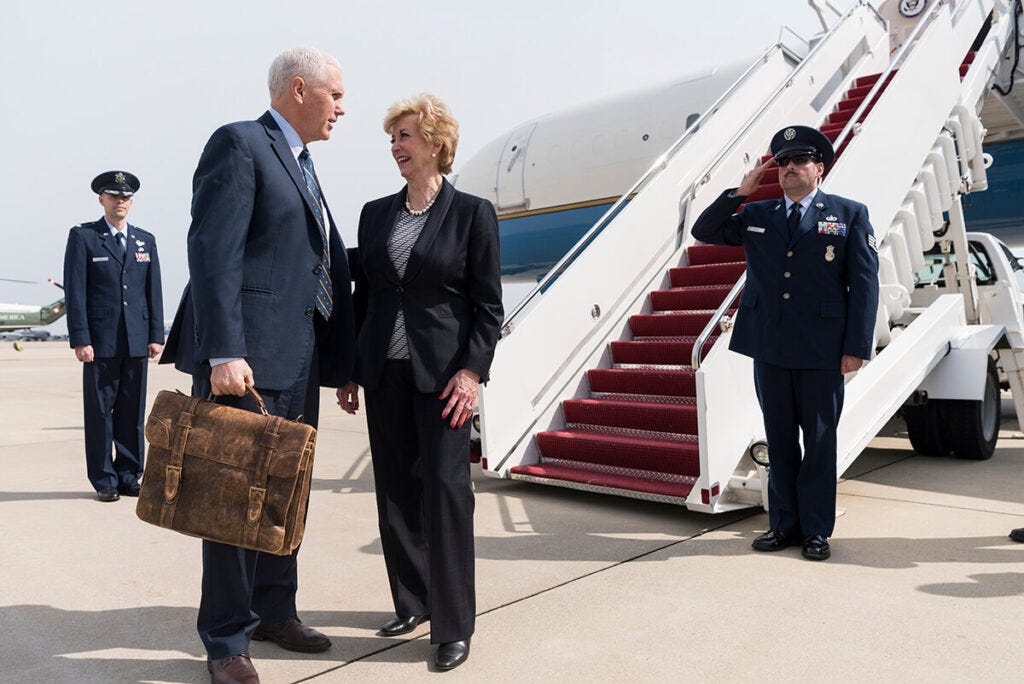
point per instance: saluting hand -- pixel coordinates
(231, 378)
(348, 397)
(461, 392)
(752, 178)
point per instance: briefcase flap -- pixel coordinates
(227, 435)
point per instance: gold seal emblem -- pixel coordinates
(119, 178)
(830, 253)
(789, 134)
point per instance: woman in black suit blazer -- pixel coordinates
(428, 314)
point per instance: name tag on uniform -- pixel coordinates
(142, 256)
(831, 228)
(755, 229)
(101, 259)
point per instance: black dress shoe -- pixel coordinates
(130, 490)
(1017, 535)
(292, 635)
(452, 654)
(774, 540)
(107, 494)
(816, 548)
(236, 669)
(401, 625)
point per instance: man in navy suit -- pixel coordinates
(268, 305)
(115, 322)
(806, 317)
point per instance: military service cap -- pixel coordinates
(115, 183)
(803, 140)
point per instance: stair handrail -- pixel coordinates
(659, 163)
(698, 346)
(880, 83)
(720, 312)
(704, 177)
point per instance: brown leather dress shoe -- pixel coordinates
(236, 669)
(292, 635)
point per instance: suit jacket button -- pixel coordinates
(789, 253)
(125, 303)
(316, 270)
(399, 289)
(124, 287)
(309, 311)
(785, 295)
(786, 274)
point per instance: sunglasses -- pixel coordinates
(796, 159)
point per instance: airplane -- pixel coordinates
(24, 317)
(553, 177)
(594, 207)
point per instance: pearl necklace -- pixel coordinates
(424, 210)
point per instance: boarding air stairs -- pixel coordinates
(615, 376)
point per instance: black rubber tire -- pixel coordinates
(973, 426)
(925, 428)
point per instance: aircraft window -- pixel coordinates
(690, 119)
(932, 274)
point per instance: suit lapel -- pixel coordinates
(383, 237)
(435, 219)
(108, 241)
(814, 213)
(287, 159)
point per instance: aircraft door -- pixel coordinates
(511, 187)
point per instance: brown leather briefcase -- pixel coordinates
(226, 474)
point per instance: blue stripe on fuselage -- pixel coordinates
(534, 242)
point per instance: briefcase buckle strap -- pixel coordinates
(257, 495)
(172, 485)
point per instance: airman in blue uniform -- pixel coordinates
(806, 317)
(115, 322)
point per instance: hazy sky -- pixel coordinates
(140, 86)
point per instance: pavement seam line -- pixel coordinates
(540, 592)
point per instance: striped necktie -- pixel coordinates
(325, 292)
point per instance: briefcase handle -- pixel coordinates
(255, 395)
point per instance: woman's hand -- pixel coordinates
(348, 397)
(461, 394)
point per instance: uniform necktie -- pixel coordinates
(325, 293)
(121, 242)
(794, 221)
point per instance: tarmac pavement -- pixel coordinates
(922, 584)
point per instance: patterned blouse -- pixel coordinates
(403, 237)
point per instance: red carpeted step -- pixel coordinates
(713, 254)
(832, 131)
(765, 191)
(678, 457)
(860, 91)
(668, 383)
(849, 103)
(870, 80)
(845, 115)
(695, 297)
(670, 325)
(707, 274)
(594, 478)
(675, 352)
(634, 415)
